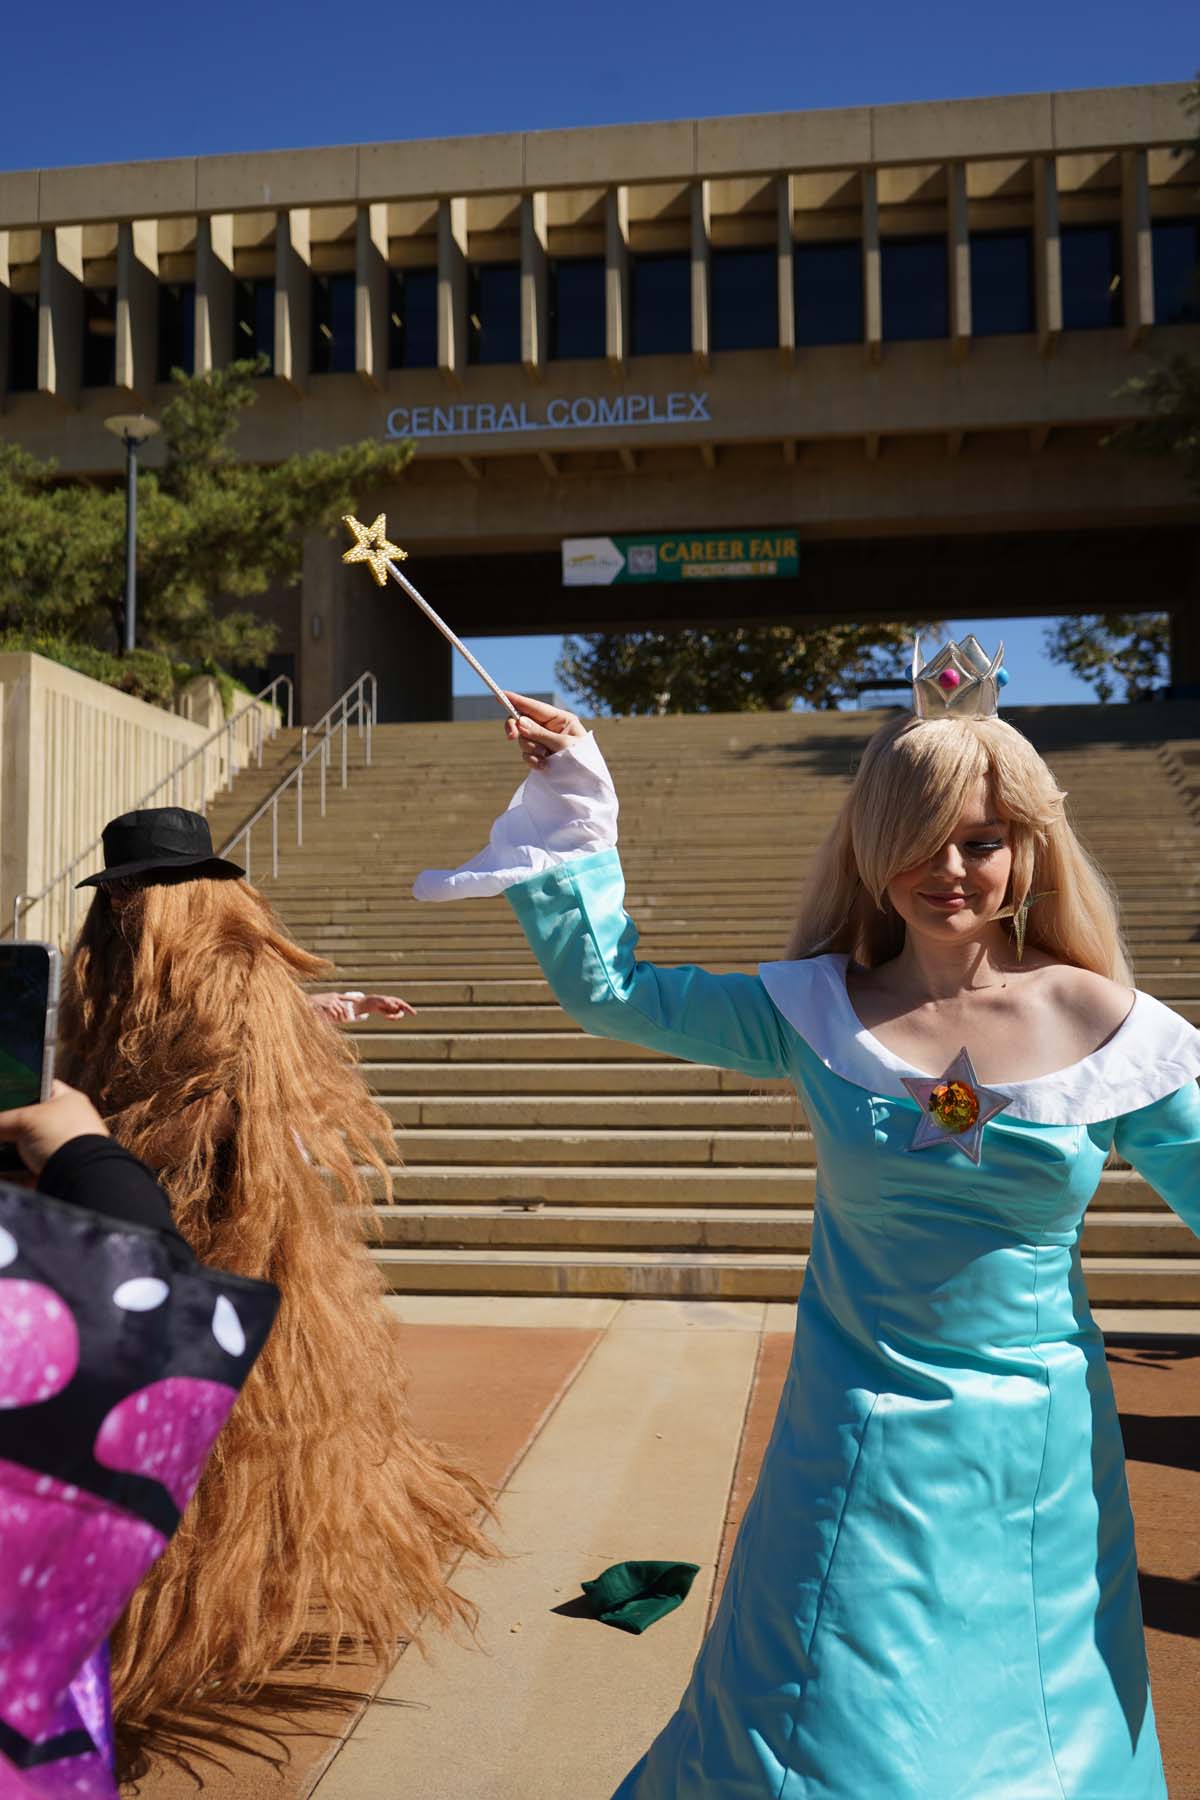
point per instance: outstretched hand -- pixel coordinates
(541, 730)
(343, 1009)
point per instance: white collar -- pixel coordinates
(1152, 1054)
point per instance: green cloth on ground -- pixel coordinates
(632, 1595)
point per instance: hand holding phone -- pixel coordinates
(29, 978)
(36, 1132)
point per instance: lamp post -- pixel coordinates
(132, 429)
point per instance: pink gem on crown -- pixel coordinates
(959, 682)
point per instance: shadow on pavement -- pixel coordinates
(1171, 1605)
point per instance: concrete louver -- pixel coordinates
(538, 1160)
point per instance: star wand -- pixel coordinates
(371, 546)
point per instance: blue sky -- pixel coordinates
(528, 663)
(91, 83)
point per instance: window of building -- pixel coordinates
(494, 313)
(660, 298)
(827, 291)
(412, 319)
(1176, 249)
(176, 328)
(1001, 282)
(744, 299)
(99, 337)
(22, 343)
(577, 320)
(914, 274)
(333, 309)
(254, 321)
(1091, 277)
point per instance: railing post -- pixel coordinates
(324, 769)
(229, 756)
(300, 804)
(275, 841)
(344, 748)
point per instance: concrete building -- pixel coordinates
(873, 351)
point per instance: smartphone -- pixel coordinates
(29, 978)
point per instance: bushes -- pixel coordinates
(146, 674)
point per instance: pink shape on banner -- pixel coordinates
(165, 1432)
(68, 1564)
(39, 1343)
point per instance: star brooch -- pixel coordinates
(955, 1107)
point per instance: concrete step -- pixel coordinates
(661, 1185)
(749, 1230)
(492, 1148)
(567, 1112)
(634, 1077)
(492, 1046)
(677, 1274)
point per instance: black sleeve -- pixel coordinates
(96, 1173)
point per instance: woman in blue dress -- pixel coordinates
(934, 1590)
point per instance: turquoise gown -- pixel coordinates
(933, 1595)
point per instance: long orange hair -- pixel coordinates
(321, 1518)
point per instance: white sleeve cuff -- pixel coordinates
(566, 808)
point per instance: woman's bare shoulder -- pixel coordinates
(1099, 1005)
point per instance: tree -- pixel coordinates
(209, 526)
(1105, 649)
(755, 668)
(1134, 648)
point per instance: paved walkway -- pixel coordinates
(636, 1429)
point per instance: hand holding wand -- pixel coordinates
(371, 546)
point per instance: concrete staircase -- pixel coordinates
(538, 1160)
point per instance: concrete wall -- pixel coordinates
(76, 754)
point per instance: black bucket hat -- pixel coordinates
(160, 841)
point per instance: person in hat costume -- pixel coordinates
(167, 841)
(934, 1589)
(323, 1521)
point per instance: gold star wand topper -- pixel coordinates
(371, 546)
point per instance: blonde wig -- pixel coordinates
(914, 780)
(321, 1518)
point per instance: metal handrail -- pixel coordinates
(23, 904)
(358, 705)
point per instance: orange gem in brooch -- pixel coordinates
(954, 1105)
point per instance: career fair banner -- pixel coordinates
(693, 556)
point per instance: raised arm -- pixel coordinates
(553, 853)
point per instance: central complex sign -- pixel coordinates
(586, 412)
(702, 555)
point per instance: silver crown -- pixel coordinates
(959, 682)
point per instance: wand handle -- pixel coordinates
(453, 638)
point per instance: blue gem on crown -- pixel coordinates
(960, 682)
